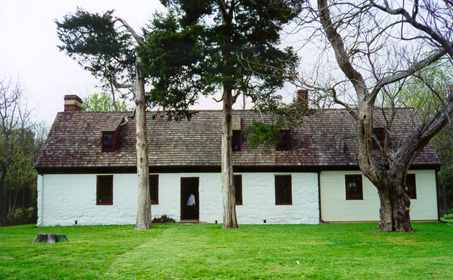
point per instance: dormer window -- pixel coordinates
(379, 133)
(109, 140)
(236, 137)
(283, 138)
(110, 132)
(236, 140)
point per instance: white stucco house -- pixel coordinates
(87, 170)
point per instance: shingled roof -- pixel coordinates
(326, 139)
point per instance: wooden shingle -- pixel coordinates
(326, 139)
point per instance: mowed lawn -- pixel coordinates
(206, 251)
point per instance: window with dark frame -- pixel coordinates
(236, 140)
(107, 141)
(379, 133)
(154, 188)
(104, 190)
(283, 137)
(238, 189)
(411, 186)
(283, 195)
(354, 187)
(110, 139)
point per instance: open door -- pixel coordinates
(189, 198)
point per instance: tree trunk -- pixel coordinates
(50, 238)
(3, 200)
(229, 203)
(144, 201)
(395, 208)
(12, 206)
(112, 90)
(144, 220)
(385, 211)
(401, 211)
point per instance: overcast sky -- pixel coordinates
(29, 53)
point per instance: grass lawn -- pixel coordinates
(206, 251)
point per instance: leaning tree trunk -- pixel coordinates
(144, 201)
(229, 207)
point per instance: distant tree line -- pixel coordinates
(103, 103)
(21, 140)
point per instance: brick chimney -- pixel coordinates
(72, 103)
(302, 99)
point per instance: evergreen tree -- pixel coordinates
(108, 53)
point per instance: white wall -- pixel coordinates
(336, 208)
(425, 206)
(63, 199)
(258, 196)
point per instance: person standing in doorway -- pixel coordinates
(191, 200)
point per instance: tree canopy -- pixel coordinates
(200, 47)
(97, 45)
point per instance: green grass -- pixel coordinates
(205, 251)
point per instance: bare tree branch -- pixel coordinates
(425, 28)
(408, 72)
(140, 40)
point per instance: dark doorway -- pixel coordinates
(189, 198)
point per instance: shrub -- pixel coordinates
(448, 217)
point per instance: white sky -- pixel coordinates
(29, 53)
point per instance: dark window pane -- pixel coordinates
(283, 140)
(354, 189)
(236, 140)
(411, 186)
(238, 189)
(283, 194)
(154, 188)
(104, 190)
(107, 142)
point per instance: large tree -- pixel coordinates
(377, 46)
(108, 52)
(227, 46)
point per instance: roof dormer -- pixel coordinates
(110, 133)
